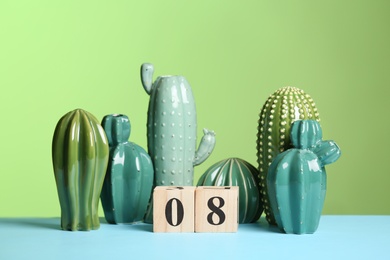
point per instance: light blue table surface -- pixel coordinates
(338, 237)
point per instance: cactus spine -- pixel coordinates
(171, 129)
(281, 109)
(80, 156)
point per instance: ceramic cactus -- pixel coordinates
(281, 109)
(80, 156)
(128, 183)
(237, 172)
(172, 129)
(296, 179)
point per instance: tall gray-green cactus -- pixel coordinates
(171, 129)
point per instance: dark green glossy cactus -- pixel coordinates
(80, 157)
(281, 109)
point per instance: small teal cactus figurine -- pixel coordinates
(80, 156)
(128, 183)
(297, 179)
(171, 129)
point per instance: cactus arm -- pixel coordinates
(147, 70)
(205, 148)
(327, 151)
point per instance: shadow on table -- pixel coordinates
(49, 223)
(139, 226)
(262, 226)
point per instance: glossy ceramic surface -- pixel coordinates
(80, 155)
(297, 179)
(128, 183)
(237, 172)
(172, 130)
(281, 109)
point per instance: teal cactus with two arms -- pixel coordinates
(282, 108)
(297, 179)
(172, 130)
(80, 156)
(128, 183)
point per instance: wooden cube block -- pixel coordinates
(216, 209)
(173, 209)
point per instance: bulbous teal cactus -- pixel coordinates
(171, 129)
(296, 179)
(80, 156)
(237, 172)
(128, 183)
(281, 109)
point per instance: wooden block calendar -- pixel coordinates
(195, 209)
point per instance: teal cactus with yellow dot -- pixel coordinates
(281, 109)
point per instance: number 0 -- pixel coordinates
(179, 212)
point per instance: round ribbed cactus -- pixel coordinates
(296, 179)
(237, 172)
(80, 156)
(128, 183)
(281, 109)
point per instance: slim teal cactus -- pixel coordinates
(281, 109)
(80, 156)
(128, 183)
(296, 179)
(237, 172)
(171, 131)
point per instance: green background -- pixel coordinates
(56, 56)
